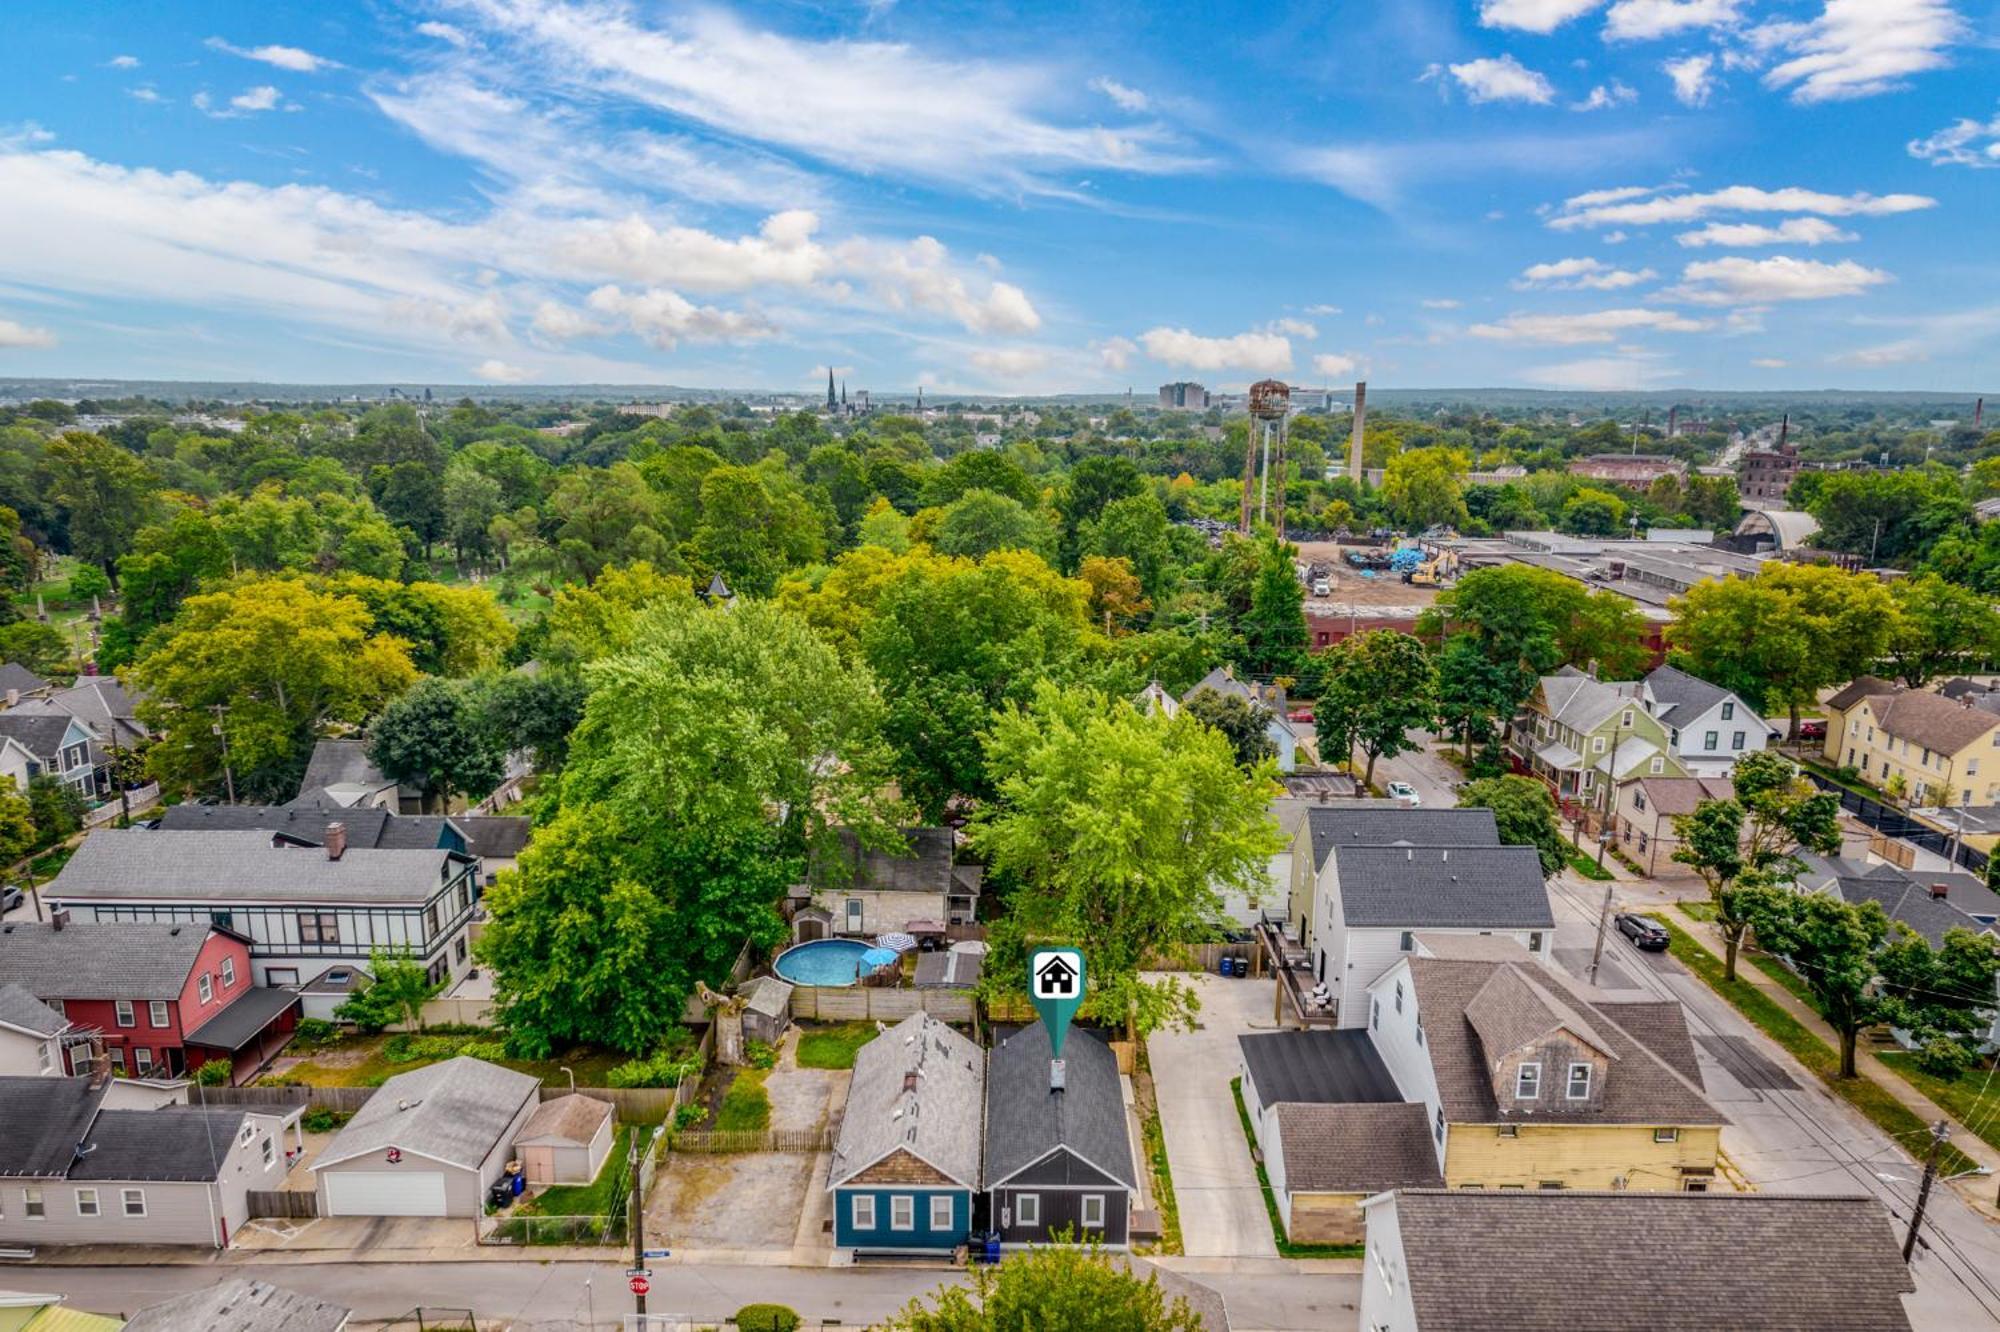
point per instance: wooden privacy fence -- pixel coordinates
(717, 1141)
(1197, 957)
(860, 1003)
(291, 1204)
(348, 1099)
(635, 1105)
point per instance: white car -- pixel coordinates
(1406, 793)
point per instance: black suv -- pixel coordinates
(1646, 933)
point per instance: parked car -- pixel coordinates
(1406, 793)
(10, 897)
(1647, 934)
(1322, 588)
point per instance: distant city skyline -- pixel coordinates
(1673, 195)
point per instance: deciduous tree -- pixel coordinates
(1377, 686)
(431, 738)
(1525, 814)
(1077, 1290)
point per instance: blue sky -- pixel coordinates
(1550, 193)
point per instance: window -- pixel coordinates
(1579, 1082)
(1510, 1130)
(228, 973)
(1437, 1125)
(249, 1130)
(1666, 1135)
(117, 1053)
(1626, 720)
(458, 948)
(319, 927)
(1027, 1209)
(1729, 712)
(135, 1202)
(1659, 765)
(142, 1061)
(862, 1211)
(1534, 941)
(1639, 795)
(270, 1152)
(204, 987)
(278, 977)
(854, 915)
(86, 1202)
(1972, 767)
(1528, 1082)
(32, 1206)
(124, 1010)
(941, 1211)
(1709, 739)
(43, 1057)
(156, 1012)
(1093, 1211)
(1736, 739)
(1399, 996)
(902, 1212)
(1408, 942)
(1375, 1014)
(1550, 1184)
(1597, 744)
(431, 919)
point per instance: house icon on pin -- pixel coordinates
(1055, 979)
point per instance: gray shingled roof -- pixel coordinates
(1579, 702)
(45, 1119)
(1556, 1261)
(1513, 1009)
(495, 836)
(15, 676)
(99, 702)
(245, 1016)
(307, 823)
(1679, 698)
(1680, 795)
(1862, 686)
(1910, 902)
(1025, 1120)
(1468, 887)
(172, 1143)
(41, 735)
(924, 868)
(571, 1118)
(21, 1010)
(453, 1112)
(1316, 1066)
(121, 863)
(341, 763)
(1357, 1148)
(1930, 722)
(1641, 1087)
(100, 960)
(938, 1121)
(1396, 825)
(239, 1305)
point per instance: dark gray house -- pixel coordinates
(1057, 1159)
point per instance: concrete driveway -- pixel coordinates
(1215, 1181)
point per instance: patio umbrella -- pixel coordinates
(896, 943)
(877, 957)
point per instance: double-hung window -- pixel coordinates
(156, 1012)
(861, 1211)
(123, 1008)
(32, 1205)
(1528, 1082)
(1027, 1209)
(902, 1212)
(940, 1212)
(228, 973)
(135, 1202)
(86, 1202)
(1093, 1211)
(1579, 1082)
(319, 927)
(204, 987)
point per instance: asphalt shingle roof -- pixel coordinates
(1680, 795)
(1397, 825)
(1316, 1066)
(1430, 887)
(20, 1009)
(1579, 702)
(571, 1118)
(453, 1112)
(15, 676)
(1556, 1261)
(1910, 902)
(100, 960)
(1025, 1120)
(45, 1119)
(237, 1305)
(341, 763)
(40, 734)
(1934, 723)
(1862, 686)
(117, 863)
(1362, 1148)
(937, 1120)
(1679, 698)
(173, 1143)
(246, 1015)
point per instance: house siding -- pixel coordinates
(881, 911)
(1581, 1156)
(21, 1055)
(883, 1236)
(1371, 952)
(1061, 1208)
(1386, 1302)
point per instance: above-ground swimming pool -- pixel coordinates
(822, 962)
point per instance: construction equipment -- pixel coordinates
(1433, 569)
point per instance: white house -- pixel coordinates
(1708, 727)
(31, 1035)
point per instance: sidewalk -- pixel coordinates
(1978, 1193)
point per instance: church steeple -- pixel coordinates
(829, 389)
(843, 393)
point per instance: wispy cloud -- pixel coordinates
(1533, 15)
(1502, 79)
(14, 334)
(1127, 98)
(123, 62)
(1858, 48)
(1259, 353)
(1692, 77)
(1740, 281)
(284, 57)
(1745, 235)
(1597, 326)
(1967, 142)
(1641, 206)
(1649, 20)
(1605, 96)
(1581, 274)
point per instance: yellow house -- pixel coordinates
(1926, 748)
(1531, 1083)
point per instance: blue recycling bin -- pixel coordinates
(520, 1184)
(992, 1246)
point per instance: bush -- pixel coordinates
(1943, 1058)
(687, 1117)
(766, 1318)
(323, 1119)
(314, 1034)
(661, 1070)
(405, 1048)
(487, 1050)
(759, 1055)
(215, 1073)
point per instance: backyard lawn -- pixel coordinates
(597, 1197)
(363, 1061)
(746, 1106)
(835, 1046)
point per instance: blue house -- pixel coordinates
(906, 1164)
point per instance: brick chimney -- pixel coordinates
(1940, 891)
(100, 1067)
(58, 918)
(336, 840)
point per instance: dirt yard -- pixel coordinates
(1351, 589)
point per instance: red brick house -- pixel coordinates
(165, 998)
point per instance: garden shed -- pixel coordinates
(767, 1009)
(565, 1141)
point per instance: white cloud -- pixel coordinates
(1889, 353)
(13, 334)
(1323, 310)
(665, 318)
(1262, 353)
(1740, 281)
(1646, 20)
(1114, 353)
(1769, 362)
(1334, 366)
(1502, 79)
(1691, 78)
(123, 62)
(1961, 143)
(1603, 374)
(1605, 96)
(496, 371)
(261, 98)
(1634, 206)
(284, 57)
(145, 92)
(444, 32)
(1857, 48)
(1614, 238)
(559, 323)
(1533, 15)
(1597, 326)
(1440, 303)
(1297, 328)
(1010, 362)
(1127, 98)
(1792, 231)
(1583, 274)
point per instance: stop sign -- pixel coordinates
(640, 1285)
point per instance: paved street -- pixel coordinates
(1215, 1181)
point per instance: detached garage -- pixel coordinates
(428, 1143)
(565, 1141)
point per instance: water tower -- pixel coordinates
(1270, 415)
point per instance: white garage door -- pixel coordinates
(385, 1193)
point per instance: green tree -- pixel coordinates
(396, 995)
(1242, 724)
(55, 807)
(40, 647)
(883, 526)
(472, 500)
(1938, 627)
(103, 491)
(535, 712)
(1425, 488)
(752, 530)
(411, 495)
(1887, 517)
(1137, 530)
(1120, 830)
(431, 738)
(1274, 631)
(88, 583)
(1594, 512)
(1834, 946)
(1377, 686)
(606, 516)
(1091, 484)
(980, 522)
(1042, 1289)
(1476, 695)
(18, 835)
(1942, 994)
(1525, 814)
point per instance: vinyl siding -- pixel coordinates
(1581, 1156)
(1060, 1209)
(1396, 1041)
(175, 1214)
(1386, 1305)
(883, 1236)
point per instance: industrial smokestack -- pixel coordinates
(1978, 413)
(1784, 430)
(1360, 419)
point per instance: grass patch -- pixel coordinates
(1782, 974)
(1697, 908)
(362, 1061)
(833, 1047)
(1883, 1110)
(599, 1197)
(746, 1106)
(1588, 867)
(1154, 1138)
(1973, 1098)
(1286, 1248)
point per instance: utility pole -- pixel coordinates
(1939, 1132)
(228, 777)
(636, 1214)
(1611, 781)
(1603, 919)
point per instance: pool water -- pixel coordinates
(822, 962)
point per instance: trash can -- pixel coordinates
(502, 1192)
(992, 1246)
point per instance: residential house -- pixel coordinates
(57, 745)
(1333, 1128)
(161, 998)
(566, 1141)
(303, 909)
(30, 1311)
(861, 892)
(1472, 1261)
(76, 1167)
(494, 840)
(1387, 875)
(240, 1305)
(1284, 736)
(1528, 1082)
(31, 1035)
(100, 702)
(1058, 1152)
(905, 1167)
(1645, 814)
(1576, 732)
(1328, 823)
(1841, 701)
(1708, 727)
(1927, 748)
(341, 772)
(18, 682)
(430, 1142)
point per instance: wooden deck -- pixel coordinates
(1293, 968)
